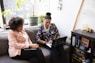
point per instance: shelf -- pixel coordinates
(78, 49)
(79, 59)
(82, 47)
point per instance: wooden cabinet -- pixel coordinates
(82, 47)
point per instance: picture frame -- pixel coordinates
(84, 42)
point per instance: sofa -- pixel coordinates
(4, 58)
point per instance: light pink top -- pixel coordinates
(17, 41)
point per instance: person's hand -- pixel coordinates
(44, 42)
(50, 41)
(58, 37)
(34, 45)
(21, 39)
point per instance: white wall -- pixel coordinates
(87, 15)
(42, 7)
(65, 18)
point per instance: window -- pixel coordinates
(26, 9)
(1, 20)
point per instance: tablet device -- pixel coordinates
(59, 41)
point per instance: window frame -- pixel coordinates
(2, 9)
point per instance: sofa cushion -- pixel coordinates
(7, 59)
(46, 53)
(3, 43)
(32, 32)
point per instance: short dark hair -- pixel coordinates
(15, 22)
(48, 15)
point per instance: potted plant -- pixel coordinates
(33, 18)
(40, 19)
(9, 11)
(4, 14)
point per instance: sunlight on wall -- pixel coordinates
(65, 18)
(87, 15)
